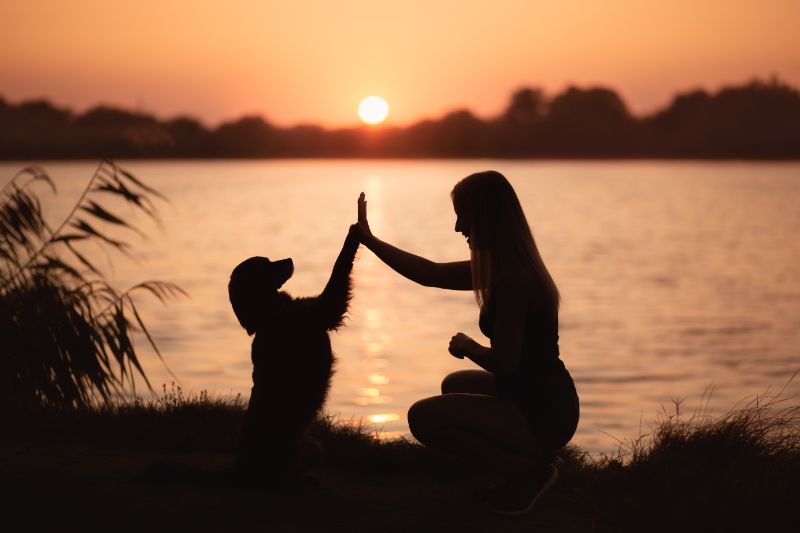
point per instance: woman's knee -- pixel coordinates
(470, 381)
(422, 418)
(449, 382)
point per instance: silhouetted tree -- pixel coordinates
(301, 140)
(527, 108)
(519, 130)
(457, 134)
(34, 126)
(588, 122)
(755, 120)
(188, 137)
(118, 133)
(683, 128)
(760, 119)
(247, 137)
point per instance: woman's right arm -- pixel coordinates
(455, 276)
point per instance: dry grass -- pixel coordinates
(67, 333)
(736, 472)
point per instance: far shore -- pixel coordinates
(755, 120)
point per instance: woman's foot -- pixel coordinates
(519, 494)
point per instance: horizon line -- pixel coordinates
(773, 78)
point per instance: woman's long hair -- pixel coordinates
(501, 239)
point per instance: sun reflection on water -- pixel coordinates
(374, 341)
(382, 418)
(378, 379)
(374, 400)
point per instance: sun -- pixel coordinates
(373, 110)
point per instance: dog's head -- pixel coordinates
(253, 286)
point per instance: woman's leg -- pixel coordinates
(471, 381)
(488, 428)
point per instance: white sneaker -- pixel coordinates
(519, 494)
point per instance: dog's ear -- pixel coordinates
(251, 284)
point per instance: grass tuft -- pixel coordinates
(734, 472)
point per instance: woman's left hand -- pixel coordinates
(461, 345)
(363, 225)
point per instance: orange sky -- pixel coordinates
(303, 61)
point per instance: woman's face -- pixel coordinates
(463, 223)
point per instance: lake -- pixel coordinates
(676, 277)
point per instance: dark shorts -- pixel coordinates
(552, 408)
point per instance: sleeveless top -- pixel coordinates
(539, 357)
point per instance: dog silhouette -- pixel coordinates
(292, 361)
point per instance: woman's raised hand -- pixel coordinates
(363, 225)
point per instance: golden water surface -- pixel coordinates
(675, 276)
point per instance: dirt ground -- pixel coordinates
(79, 487)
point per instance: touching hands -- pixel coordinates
(363, 224)
(462, 345)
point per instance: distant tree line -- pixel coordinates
(760, 119)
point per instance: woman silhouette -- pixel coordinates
(522, 407)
